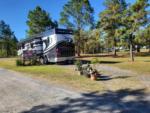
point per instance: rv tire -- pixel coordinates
(45, 60)
(41, 60)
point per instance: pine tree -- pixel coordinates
(134, 19)
(8, 41)
(110, 19)
(39, 21)
(143, 37)
(76, 15)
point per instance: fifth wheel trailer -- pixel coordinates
(55, 45)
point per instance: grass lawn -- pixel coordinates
(141, 64)
(56, 74)
(67, 76)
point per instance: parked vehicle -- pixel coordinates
(55, 45)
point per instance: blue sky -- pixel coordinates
(14, 12)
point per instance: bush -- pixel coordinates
(78, 65)
(94, 62)
(19, 62)
(33, 61)
(2, 53)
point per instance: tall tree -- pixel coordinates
(92, 44)
(110, 19)
(39, 21)
(143, 37)
(77, 15)
(135, 18)
(147, 36)
(91, 41)
(8, 40)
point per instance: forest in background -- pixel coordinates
(121, 26)
(8, 41)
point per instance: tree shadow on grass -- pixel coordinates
(121, 101)
(147, 61)
(109, 62)
(143, 54)
(109, 77)
(95, 55)
(101, 62)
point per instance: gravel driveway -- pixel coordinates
(19, 93)
(22, 94)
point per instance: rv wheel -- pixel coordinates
(41, 60)
(45, 60)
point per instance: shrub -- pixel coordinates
(94, 62)
(19, 62)
(78, 64)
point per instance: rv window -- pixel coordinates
(40, 42)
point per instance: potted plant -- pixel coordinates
(86, 70)
(93, 73)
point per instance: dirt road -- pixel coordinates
(19, 93)
(22, 94)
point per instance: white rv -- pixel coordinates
(55, 45)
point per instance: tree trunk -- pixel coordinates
(149, 46)
(7, 49)
(115, 52)
(78, 52)
(1, 48)
(138, 48)
(77, 45)
(115, 43)
(131, 53)
(78, 49)
(131, 48)
(93, 51)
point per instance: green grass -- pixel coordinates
(141, 64)
(67, 76)
(55, 74)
